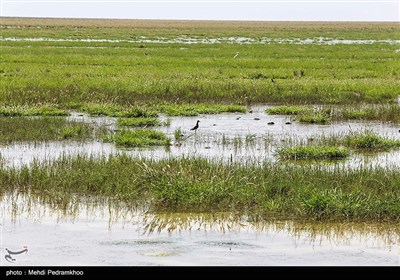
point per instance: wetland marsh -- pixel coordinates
(299, 136)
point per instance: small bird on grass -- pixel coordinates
(196, 126)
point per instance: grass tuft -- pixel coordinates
(367, 140)
(313, 152)
(141, 138)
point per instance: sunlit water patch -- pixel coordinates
(98, 234)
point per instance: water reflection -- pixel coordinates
(19, 208)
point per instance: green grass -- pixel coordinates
(287, 110)
(178, 135)
(197, 185)
(113, 110)
(367, 140)
(141, 138)
(317, 117)
(375, 112)
(32, 111)
(138, 122)
(313, 152)
(129, 29)
(196, 109)
(18, 129)
(141, 80)
(372, 113)
(120, 74)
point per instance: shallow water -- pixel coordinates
(87, 237)
(233, 137)
(218, 40)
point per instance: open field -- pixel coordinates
(74, 73)
(109, 80)
(124, 29)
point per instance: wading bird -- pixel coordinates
(196, 126)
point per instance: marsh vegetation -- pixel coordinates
(139, 75)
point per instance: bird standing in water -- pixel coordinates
(196, 126)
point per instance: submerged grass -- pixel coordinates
(141, 138)
(198, 185)
(46, 129)
(313, 152)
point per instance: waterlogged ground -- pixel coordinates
(219, 40)
(234, 61)
(243, 137)
(102, 235)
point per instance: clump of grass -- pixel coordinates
(46, 111)
(198, 185)
(137, 122)
(71, 132)
(135, 112)
(250, 139)
(141, 138)
(32, 111)
(356, 114)
(46, 129)
(367, 140)
(196, 109)
(167, 122)
(178, 135)
(378, 113)
(237, 142)
(313, 152)
(113, 110)
(318, 117)
(386, 113)
(94, 109)
(11, 112)
(304, 114)
(287, 110)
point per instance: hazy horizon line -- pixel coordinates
(180, 19)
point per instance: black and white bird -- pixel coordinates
(196, 126)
